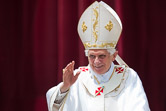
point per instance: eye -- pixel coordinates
(92, 56)
(102, 56)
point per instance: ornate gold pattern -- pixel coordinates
(95, 23)
(109, 26)
(84, 27)
(112, 44)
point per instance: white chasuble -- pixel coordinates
(123, 92)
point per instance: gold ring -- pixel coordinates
(63, 70)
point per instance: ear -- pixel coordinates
(114, 55)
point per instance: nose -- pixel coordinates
(97, 60)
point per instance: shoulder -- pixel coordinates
(132, 73)
(129, 74)
(133, 77)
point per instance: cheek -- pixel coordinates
(108, 62)
(90, 61)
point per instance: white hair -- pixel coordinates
(111, 51)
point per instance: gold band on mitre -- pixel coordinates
(100, 46)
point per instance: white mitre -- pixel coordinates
(100, 27)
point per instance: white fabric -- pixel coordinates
(130, 97)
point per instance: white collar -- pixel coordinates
(104, 77)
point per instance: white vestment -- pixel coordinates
(123, 92)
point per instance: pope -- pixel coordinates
(101, 85)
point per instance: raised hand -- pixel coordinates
(68, 77)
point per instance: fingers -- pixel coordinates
(69, 68)
(73, 63)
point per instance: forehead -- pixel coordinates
(97, 51)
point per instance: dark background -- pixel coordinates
(39, 37)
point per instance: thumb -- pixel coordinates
(78, 73)
(76, 76)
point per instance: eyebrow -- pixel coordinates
(101, 55)
(97, 55)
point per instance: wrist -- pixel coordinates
(63, 89)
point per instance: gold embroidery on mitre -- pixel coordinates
(84, 27)
(112, 44)
(102, 45)
(88, 45)
(109, 26)
(95, 12)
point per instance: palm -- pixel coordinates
(68, 76)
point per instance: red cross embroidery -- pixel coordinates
(119, 70)
(84, 69)
(99, 91)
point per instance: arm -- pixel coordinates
(56, 95)
(51, 95)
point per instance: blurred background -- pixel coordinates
(39, 37)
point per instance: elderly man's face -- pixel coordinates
(100, 60)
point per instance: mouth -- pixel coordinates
(98, 67)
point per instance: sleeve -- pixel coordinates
(55, 98)
(136, 97)
(60, 96)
